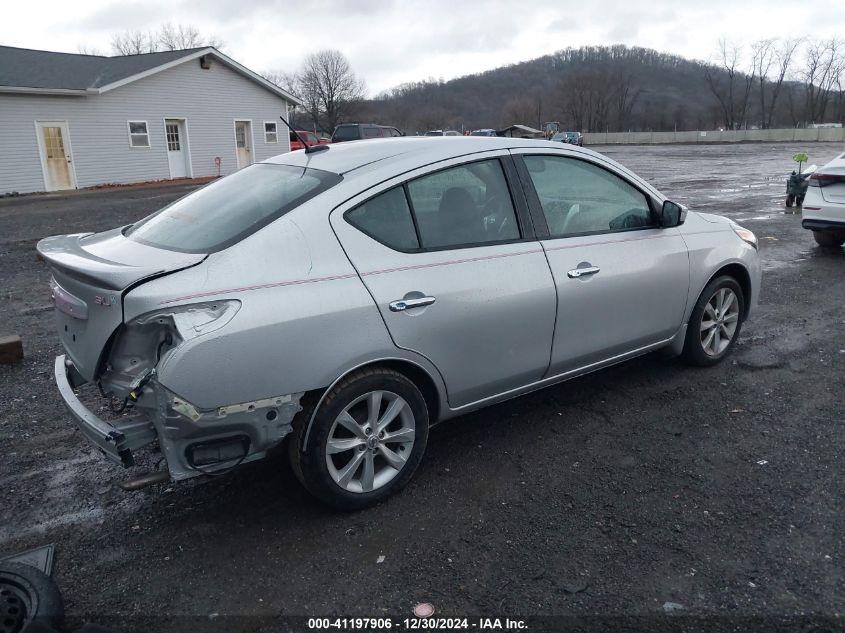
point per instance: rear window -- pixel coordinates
(346, 132)
(228, 210)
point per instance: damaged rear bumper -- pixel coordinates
(193, 441)
(115, 440)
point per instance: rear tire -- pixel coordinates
(713, 330)
(790, 200)
(829, 239)
(368, 437)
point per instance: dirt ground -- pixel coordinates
(644, 489)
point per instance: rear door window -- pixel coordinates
(464, 205)
(226, 211)
(371, 132)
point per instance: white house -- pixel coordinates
(69, 121)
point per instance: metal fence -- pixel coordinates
(716, 136)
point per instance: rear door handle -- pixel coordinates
(407, 304)
(583, 272)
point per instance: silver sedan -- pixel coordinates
(343, 301)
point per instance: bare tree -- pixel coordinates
(762, 58)
(625, 98)
(521, 109)
(182, 36)
(823, 68)
(730, 86)
(133, 43)
(329, 88)
(167, 38)
(84, 49)
(783, 54)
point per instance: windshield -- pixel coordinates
(226, 211)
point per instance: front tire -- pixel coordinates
(367, 439)
(790, 200)
(715, 322)
(829, 239)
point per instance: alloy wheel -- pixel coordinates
(719, 321)
(370, 441)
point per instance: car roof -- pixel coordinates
(352, 155)
(406, 153)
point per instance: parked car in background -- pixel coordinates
(346, 300)
(573, 138)
(359, 131)
(484, 132)
(824, 204)
(442, 133)
(311, 138)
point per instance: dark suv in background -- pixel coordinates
(357, 131)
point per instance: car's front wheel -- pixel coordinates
(715, 322)
(368, 436)
(829, 239)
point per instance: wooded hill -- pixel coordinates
(598, 88)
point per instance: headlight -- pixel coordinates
(745, 235)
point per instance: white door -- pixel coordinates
(54, 138)
(177, 152)
(243, 142)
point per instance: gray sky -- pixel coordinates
(390, 42)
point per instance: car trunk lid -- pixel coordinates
(91, 272)
(831, 181)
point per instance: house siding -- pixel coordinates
(210, 101)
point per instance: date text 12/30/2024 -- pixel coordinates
(414, 624)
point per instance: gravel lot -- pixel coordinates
(717, 489)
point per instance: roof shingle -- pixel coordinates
(27, 68)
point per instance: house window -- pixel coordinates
(270, 135)
(139, 135)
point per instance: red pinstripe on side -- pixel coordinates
(466, 260)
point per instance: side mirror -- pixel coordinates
(672, 214)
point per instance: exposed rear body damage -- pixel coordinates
(91, 277)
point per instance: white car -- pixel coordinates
(824, 204)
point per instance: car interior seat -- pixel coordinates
(460, 217)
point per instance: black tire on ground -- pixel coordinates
(694, 353)
(28, 597)
(790, 200)
(829, 239)
(308, 460)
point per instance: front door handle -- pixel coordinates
(407, 304)
(583, 272)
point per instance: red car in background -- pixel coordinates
(310, 139)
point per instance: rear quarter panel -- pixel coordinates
(306, 318)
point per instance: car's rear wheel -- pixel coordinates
(715, 322)
(367, 439)
(829, 239)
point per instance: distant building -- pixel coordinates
(69, 121)
(521, 131)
